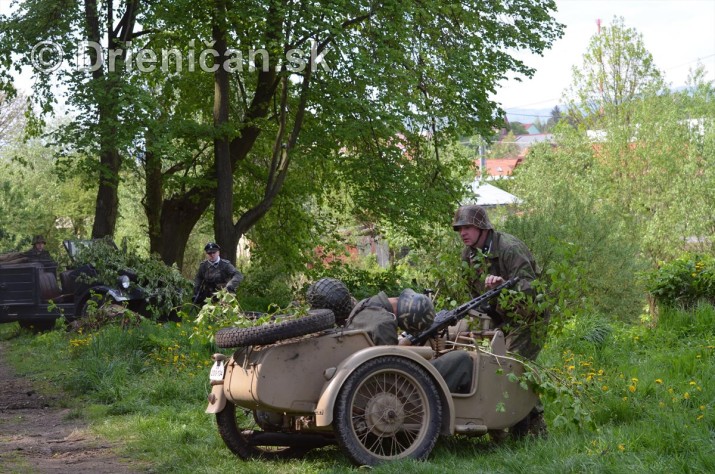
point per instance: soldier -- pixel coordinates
(497, 257)
(38, 253)
(380, 316)
(215, 273)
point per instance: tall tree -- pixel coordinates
(44, 34)
(392, 74)
(616, 70)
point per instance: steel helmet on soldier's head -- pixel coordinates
(471, 215)
(38, 239)
(332, 294)
(415, 311)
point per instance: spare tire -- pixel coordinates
(316, 320)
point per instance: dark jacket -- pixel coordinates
(210, 278)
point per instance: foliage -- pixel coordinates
(617, 69)
(40, 197)
(683, 281)
(517, 128)
(505, 148)
(362, 281)
(223, 310)
(12, 117)
(165, 288)
(389, 74)
(588, 258)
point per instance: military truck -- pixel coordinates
(31, 294)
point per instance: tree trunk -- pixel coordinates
(153, 196)
(107, 203)
(223, 207)
(178, 218)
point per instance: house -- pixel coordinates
(531, 129)
(527, 141)
(498, 167)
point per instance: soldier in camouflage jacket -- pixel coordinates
(497, 257)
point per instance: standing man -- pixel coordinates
(215, 273)
(495, 258)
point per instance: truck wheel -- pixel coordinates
(243, 442)
(316, 320)
(388, 409)
(93, 304)
(37, 326)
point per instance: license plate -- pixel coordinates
(216, 371)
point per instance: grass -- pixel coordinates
(647, 388)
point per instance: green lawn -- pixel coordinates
(647, 388)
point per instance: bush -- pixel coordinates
(683, 281)
(363, 280)
(165, 287)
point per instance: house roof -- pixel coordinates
(487, 195)
(500, 166)
(525, 141)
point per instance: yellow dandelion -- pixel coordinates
(670, 390)
(692, 382)
(702, 407)
(632, 388)
(600, 371)
(570, 368)
(604, 388)
(686, 396)
(621, 448)
(700, 417)
(625, 399)
(634, 380)
(661, 404)
(176, 358)
(658, 380)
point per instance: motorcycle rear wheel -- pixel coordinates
(242, 441)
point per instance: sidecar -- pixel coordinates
(283, 392)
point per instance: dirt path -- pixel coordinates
(38, 436)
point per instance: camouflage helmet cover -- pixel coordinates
(415, 311)
(471, 215)
(332, 294)
(38, 239)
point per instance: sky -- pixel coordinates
(677, 34)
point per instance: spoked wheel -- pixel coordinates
(250, 442)
(388, 409)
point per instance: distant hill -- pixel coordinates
(530, 115)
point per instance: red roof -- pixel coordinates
(501, 166)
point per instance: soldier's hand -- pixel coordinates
(493, 281)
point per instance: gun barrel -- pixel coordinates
(445, 319)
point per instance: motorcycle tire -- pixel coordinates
(317, 320)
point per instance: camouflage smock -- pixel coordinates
(506, 256)
(374, 315)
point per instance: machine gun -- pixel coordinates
(446, 318)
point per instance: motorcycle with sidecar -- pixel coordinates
(302, 384)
